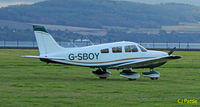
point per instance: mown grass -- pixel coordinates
(31, 83)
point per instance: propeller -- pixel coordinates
(172, 51)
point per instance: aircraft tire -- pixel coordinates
(103, 77)
(156, 78)
(131, 79)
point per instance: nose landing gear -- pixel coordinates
(127, 73)
(154, 75)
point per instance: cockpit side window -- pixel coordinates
(105, 50)
(131, 48)
(142, 48)
(117, 49)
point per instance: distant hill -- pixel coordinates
(102, 21)
(98, 13)
(20, 0)
(191, 2)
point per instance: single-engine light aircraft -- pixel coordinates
(118, 55)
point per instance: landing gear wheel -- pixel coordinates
(156, 78)
(103, 78)
(102, 73)
(127, 73)
(131, 79)
(153, 75)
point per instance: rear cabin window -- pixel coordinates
(117, 49)
(142, 48)
(105, 50)
(131, 48)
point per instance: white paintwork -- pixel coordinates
(47, 44)
(50, 50)
(133, 76)
(153, 75)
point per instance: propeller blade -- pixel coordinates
(172, 51)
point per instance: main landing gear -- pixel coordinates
(154, 75)
(102, 73)
(127, 73)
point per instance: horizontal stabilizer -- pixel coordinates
(29, 56)
(38, 57)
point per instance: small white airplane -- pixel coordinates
(117, 55)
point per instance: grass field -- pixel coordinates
(31, 83)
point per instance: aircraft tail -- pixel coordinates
(45, 41)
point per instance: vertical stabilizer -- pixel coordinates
(45, 41)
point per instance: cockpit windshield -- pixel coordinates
(142, 48)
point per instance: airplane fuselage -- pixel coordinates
(105, 55)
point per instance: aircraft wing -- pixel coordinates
(147, 62)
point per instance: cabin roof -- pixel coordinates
(122, 43)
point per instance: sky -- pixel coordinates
(5, 3)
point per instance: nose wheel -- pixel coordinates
(153, 75)
(131, 79)
(127, 73)
(154, 78)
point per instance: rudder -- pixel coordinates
(45, 41)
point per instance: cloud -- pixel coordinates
(5, 3)
(14, 3)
